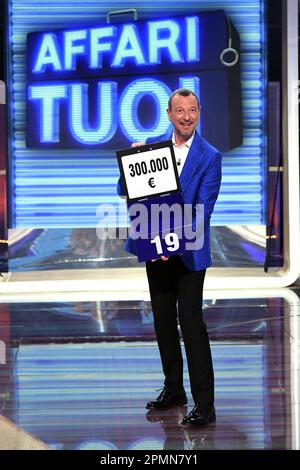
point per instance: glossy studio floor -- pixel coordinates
(76, 374)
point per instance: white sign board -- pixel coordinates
(149, 170)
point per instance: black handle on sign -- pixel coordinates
(122, 12)
(229, 49)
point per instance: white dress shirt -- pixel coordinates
(181, 152)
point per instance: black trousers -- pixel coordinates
(172, 283)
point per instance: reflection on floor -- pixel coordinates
(133, 320)
(86, 388)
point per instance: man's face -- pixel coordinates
(184, 115)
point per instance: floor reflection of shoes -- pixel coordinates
(166, 416)
(202, 442)
(154, 416)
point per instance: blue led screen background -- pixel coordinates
(62, 187)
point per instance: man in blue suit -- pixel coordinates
(178, 280)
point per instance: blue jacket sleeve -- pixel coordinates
(120, 189)
(210, 186)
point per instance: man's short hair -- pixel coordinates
(182, 92)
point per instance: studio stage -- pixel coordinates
(80, 368)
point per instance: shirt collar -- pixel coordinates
(187, 144)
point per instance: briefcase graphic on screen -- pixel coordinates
(107, 85)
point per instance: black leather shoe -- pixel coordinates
(167, 400)
(200, 415)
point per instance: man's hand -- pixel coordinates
(164, 258)
(137, 144)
